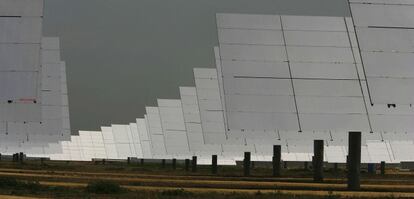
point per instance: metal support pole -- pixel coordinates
(382, 167)
(174, 164)
(246, 164)
(214, 164)
(354, 161)
(318, 160)
(277, 153)
(163, 163)
(371, 168)
(194, 164)
(187, 164)
(21, 157)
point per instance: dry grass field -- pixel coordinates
(54, 179)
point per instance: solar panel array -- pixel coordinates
(34, 112)
(284, 80)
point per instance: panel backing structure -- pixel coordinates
(385, 33)
(33, 93)
(34, 137)
(20, 46)
(291, 73)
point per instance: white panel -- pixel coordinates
(393, 123)
(205, 73)
(50, 56)
(339, 122)
(327, 88)
(320, 54)
(335, 154)
(263, 121)
(400, 149)
(378, 151)
(146, 149)
(18, 86)
(249, 36)
(120, 133)
(20, 30)
(153, 121)
(176, 142)
(171, 114)
(245, 21)
(136, 140)
(346, 105)
(379, 64)
(385, 39)
(253, 52)
(257, 103)
(408, 2)
(317, 38)
(158, 145)
(323, 70)
(383, 15)
(20, 112)
(255, 69)
(258, 86)
(19, 57)
(383, 90)
(21, 8)
(142, 129)
(313, 23)
(50, 43)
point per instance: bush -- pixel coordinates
(104, 187)
(8, 182)
(175, 192)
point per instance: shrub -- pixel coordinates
(175, 192)
(104, 187)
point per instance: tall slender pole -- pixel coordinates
(246, 164)
(318, 160)
(214, 164)
(354, 161)
(277, 153)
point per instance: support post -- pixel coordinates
(21, 157)
(318, 160)
(354, 161)
(277, 153)
(382, 167)
(246, 164)
(163, 163)
(174, 164)
(371, 168)
(128, 160)
(214, 164)
(142, 161)
(187, 164)
(194, 164)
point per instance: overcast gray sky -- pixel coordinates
(121, 55)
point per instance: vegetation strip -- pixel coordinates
(209, 190)
(220, 178)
